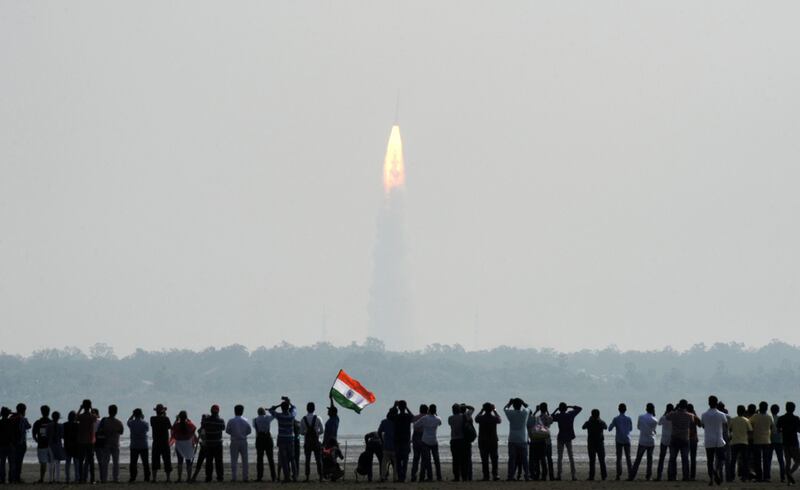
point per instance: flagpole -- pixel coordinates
(344, 477)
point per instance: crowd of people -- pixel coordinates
(737, 446)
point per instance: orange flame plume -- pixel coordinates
(394, 173)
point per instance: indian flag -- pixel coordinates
(349, 393)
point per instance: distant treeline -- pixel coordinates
(441, 374)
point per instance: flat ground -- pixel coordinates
(30, 474)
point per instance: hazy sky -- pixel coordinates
(194, 173)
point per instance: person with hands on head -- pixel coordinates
(517, 413)
(488, 419)
(286, 419)
(564, 416)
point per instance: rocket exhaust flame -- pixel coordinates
(394, 174)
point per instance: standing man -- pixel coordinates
(213, 426)
(331, 425)
(238, 428)
(789, 426)
(740, 429)
(87, 421)
(564, 416)
(666, 438)
(488, 419)
(112, 429)
(387, 436)
(402, 437)
(161, 426)
(311, 429)
(429, 424)
(624, 426)
(714, 423)
(459, 448)
(286, 419)
(8, 436)
(416, 441)
(264, 444)
(647, 424)
(20, 422)
(138, 429)
(595, 427)
(517, 413)
(776, 446)
(42, 441)
(682, 421)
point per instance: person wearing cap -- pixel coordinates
(138, 430)
(161, 425)
(213, 427)
(264, 444)
(238, 428)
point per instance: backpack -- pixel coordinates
(364, 463)
(470, 434)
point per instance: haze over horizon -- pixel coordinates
(578, 174)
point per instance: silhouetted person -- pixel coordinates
(286, 419)
(55, 436)
(138, 429)
(776, 446)
(402, 420)
(331, 425)
(488, 419)
(622, 439)
(160, 424)
(693, 442)
(595, 428)
(789, 426)
(311, 429)
(416, 441)
(564, 416)
(763, 428)
(20, 442)
(184, 433)
(387, 436)
(666, 439)
(539, 434)
(100, 453)
(646, 424)
(264, 444)
(740, 428)
(111, 429)
(87, 423)
(238, 428)
(459, 447)
(714, 423)
(516, 411)
(8, 436)
(682, 421)
(430, 445)
(39, 434)
(213, 427)
(202, 452)
(71, 449)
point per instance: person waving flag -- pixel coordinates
(349, 393)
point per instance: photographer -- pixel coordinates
(286, 420)
(488, 419)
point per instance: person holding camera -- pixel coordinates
(286, 422)
(488, 419)
(402, 420)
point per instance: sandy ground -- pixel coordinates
(30, 475)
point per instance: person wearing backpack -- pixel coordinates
(539, 435)
(311, 428)
(462, 434)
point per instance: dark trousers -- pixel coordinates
(739, 457)
(430, 451)
(214, 462)
(761, 460)
(715, 459)
(201, 458)
(6, 455)
(136, 454)
(285, 456)
(86, 452)
(692, 460)
(678, 446)
(458, 450)
(663, 452)
(597, 452)
(538, 459)
(778, 450)
(623, 448)
(15, 463)
(517, 453)
(161, 453)
(308, 450)
(489, 454)
(402, 450)
(416, 444)
(641, 451)
(264, 445)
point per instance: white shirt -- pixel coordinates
(666, 432)
(238, 428)
(713, 424)
(429, 424)
(647, 424)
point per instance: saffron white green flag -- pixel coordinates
(349, 393)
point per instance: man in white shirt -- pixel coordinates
(517, 437)
(646, 424)
(264, 444)
(714, 423)
(238, 428)
(666, 436)
(311, 428)
(429, 424)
